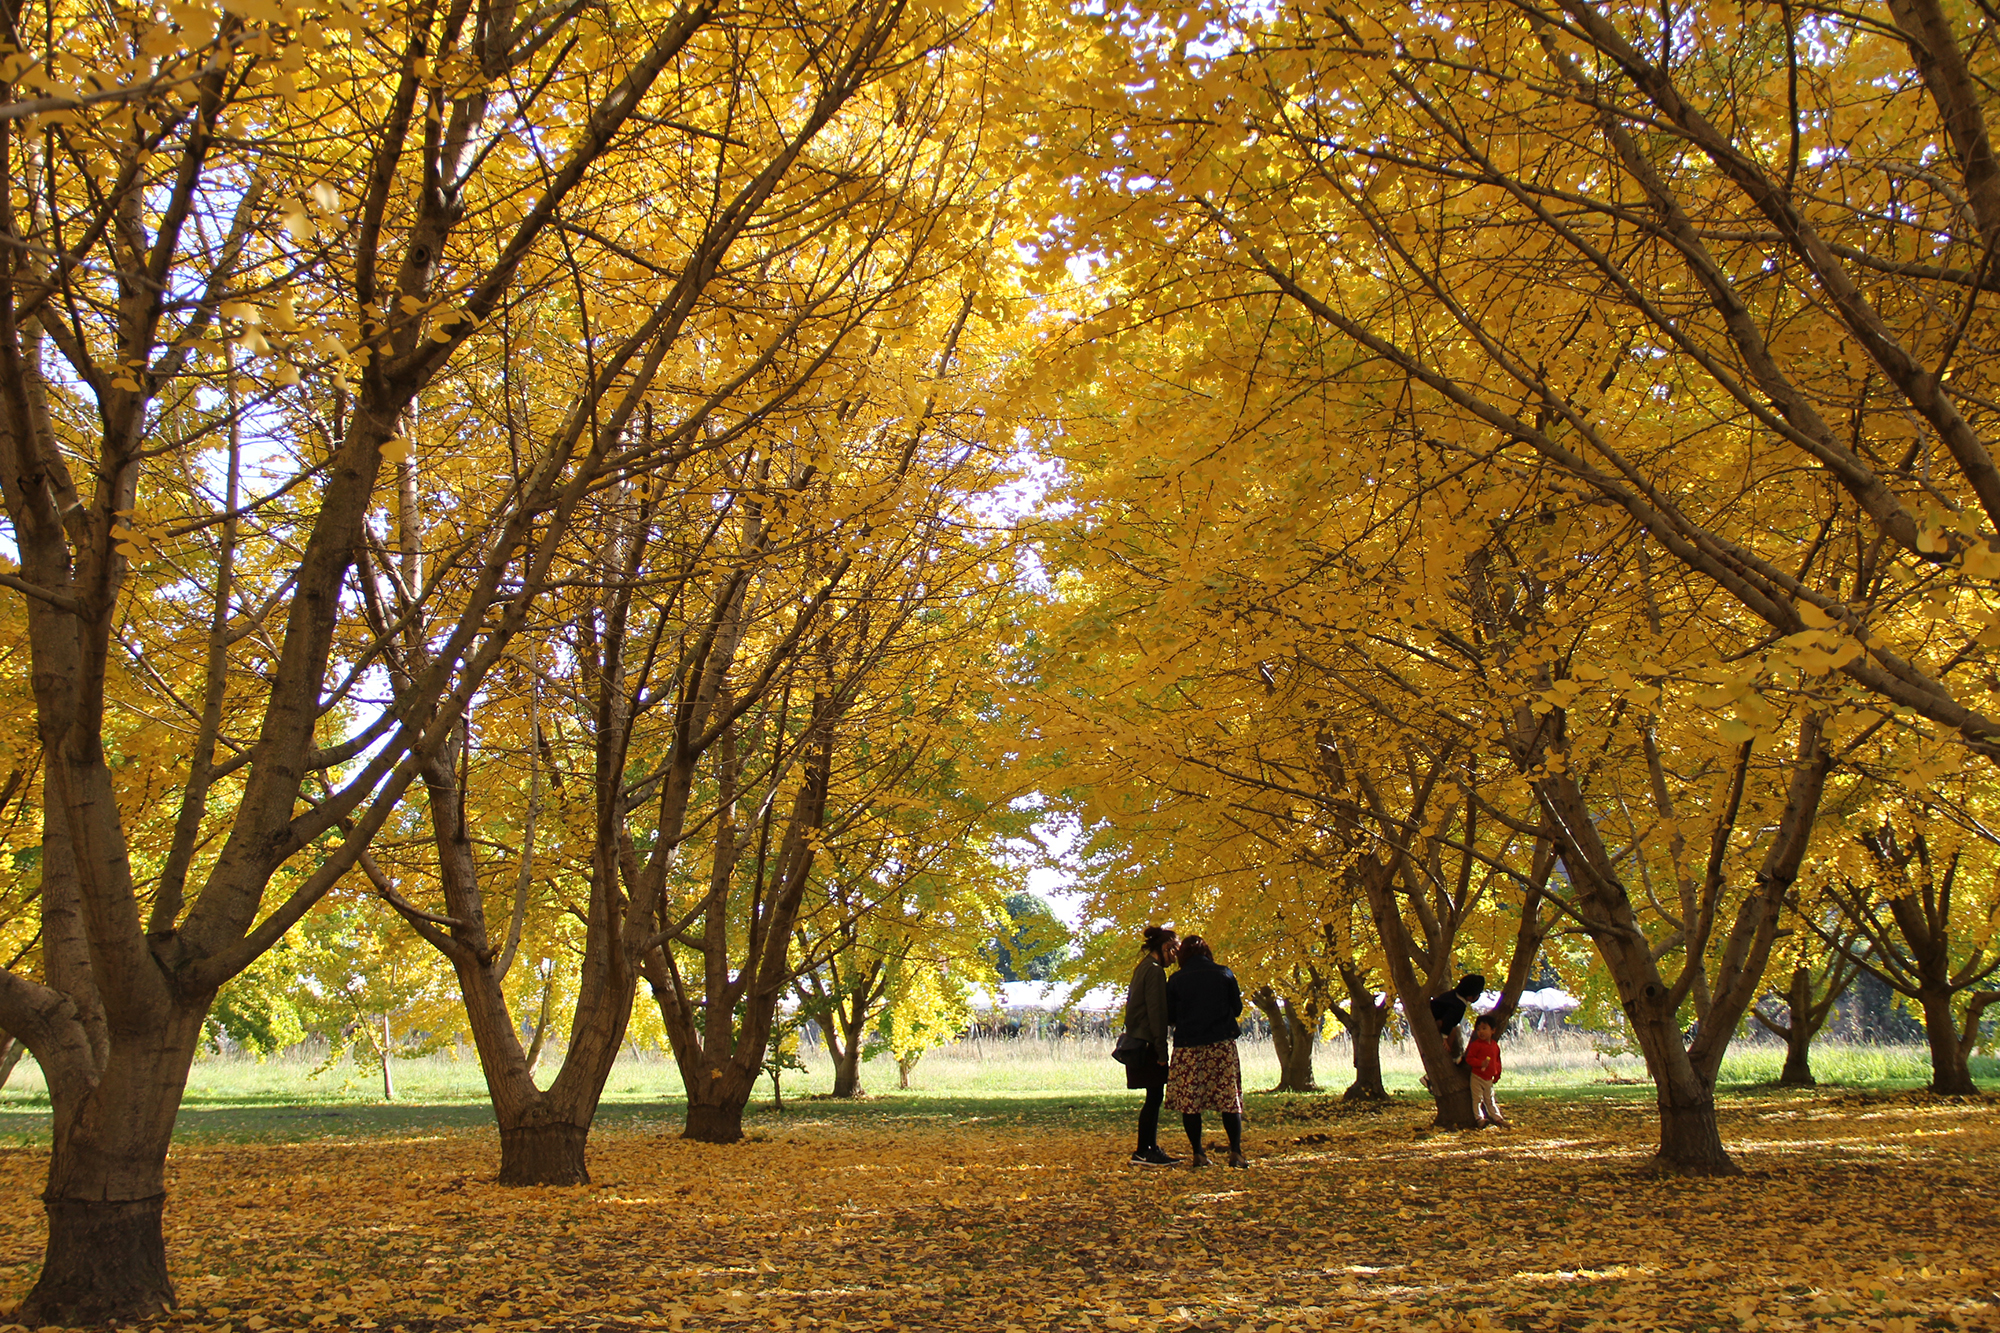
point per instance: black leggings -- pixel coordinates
(1149, 1117)
(1232, 1125)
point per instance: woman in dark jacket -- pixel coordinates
(1146, 1019)
(1203, 1001)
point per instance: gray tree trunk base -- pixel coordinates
(104, 1262)
(544, 1155)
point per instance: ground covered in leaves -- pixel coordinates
(1857, 1212)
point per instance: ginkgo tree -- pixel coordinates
(239, 247)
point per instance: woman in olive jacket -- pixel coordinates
(1146, 1019)
(1203, 1002)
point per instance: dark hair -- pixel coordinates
(1486, 1019)
(1157, 938)
(1470, 987)
(1194, 946)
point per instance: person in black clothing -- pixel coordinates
(1203, 1002)
(1146, 1019)
(1449, 1010)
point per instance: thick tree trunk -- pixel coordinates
(1295, 1074)
(544, 1154)
(104, 1261)
(718, 1116)
(1690, 1140)
(847, 1074)
(1366, 1018)
(1951, 1074)
(1365, 1032)
(106, 1255)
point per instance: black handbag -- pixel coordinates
(1131, 1048)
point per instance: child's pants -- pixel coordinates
(1483, 1105)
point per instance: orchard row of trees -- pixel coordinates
(1513, 479)
(496, 494)
(1527, 492)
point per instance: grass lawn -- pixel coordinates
(1056, 1082)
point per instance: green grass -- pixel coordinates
(1066, 1082)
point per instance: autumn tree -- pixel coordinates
(1910, 899)
(1797, 1010)
(239, 248)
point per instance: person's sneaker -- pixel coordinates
(1153, 1157)
(1238, 1160)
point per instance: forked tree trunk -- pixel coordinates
(1449, 1085)
(1684, 1076)
(1951, 1071)
(1365, 1018)
(847, 1052)
(1291, 1037)
(544, 1134)
(1798, 1030)
(904, 1064)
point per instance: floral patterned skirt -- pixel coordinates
(1205, 1078)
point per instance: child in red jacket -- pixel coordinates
(1482, 1061)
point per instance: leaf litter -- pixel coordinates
(1854, 1213)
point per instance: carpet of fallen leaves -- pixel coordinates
(1856, 1212)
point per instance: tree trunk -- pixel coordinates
(847, 1073)
(1449, 1085)
(717, 1117)
(1365, 1032)
(1797, 1072)
(106, 1255)
(1366, 1018)
(1690, 1140)
(11, 1050)
(388, 1079)
(104, 1261)
(544, 1154)
(1291, 1038)
(1798, 1033)
(904, 1064)
(1296, 1072)
(1951, 1074)
(847, 1055)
